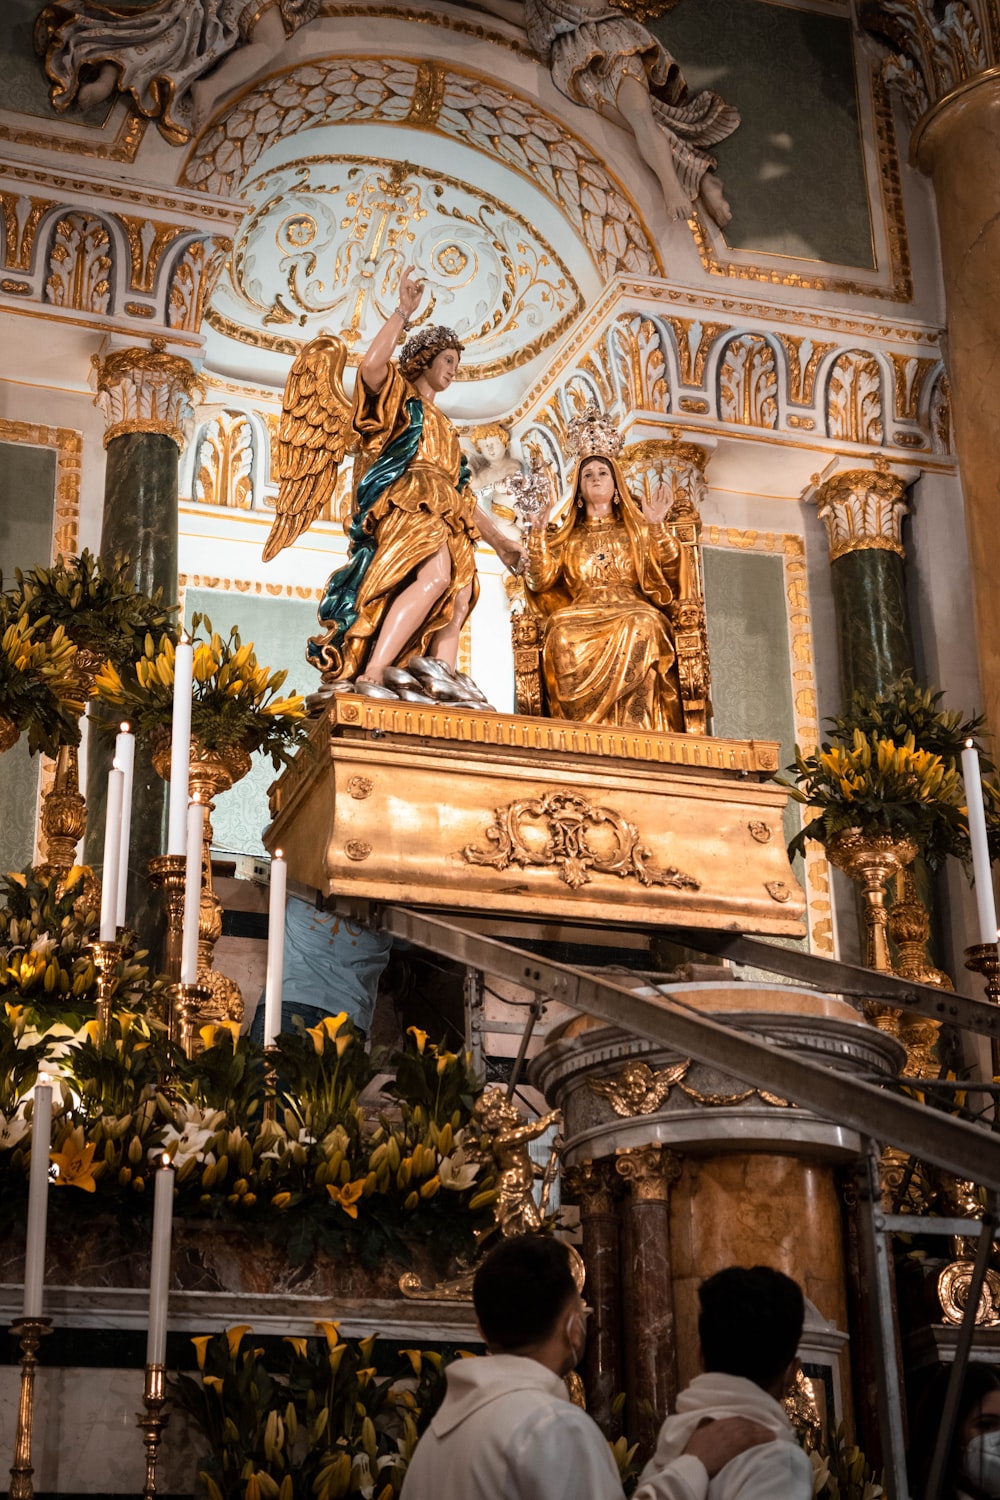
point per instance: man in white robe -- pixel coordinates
(749, 1325)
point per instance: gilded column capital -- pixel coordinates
(676, 462)
(145, 390)
(591, 1184)
(649, 1171)
(863, 508)
(937, 51)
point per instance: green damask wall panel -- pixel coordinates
(794, 170)
(279, 629)
(27, 503)
(748, 647)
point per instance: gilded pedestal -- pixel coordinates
(453, 808)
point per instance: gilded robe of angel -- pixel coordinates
(413, 498)
(604, 579)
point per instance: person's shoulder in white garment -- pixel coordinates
(750, 1323)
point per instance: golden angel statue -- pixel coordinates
(507, 1136)
(604, 579)
(609, 62)
(394, 611)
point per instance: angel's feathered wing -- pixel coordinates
(313, 437)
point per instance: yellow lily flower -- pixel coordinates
(347, 1197)
(74, 1166)
(331, 1332)
(214, 1381)
(200, 1347)
(419, 1037)
(235, 1336)
(299, 1345)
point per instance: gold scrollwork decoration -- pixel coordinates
(778, 890)
(357, 849)
(953, 1294)
(360, 787)
(570, 823)
(759, 831)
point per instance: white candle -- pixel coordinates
(112, 855)
(192, 893)
(38, 1200)
(180, 745)
(124, 757)
(275, 949)
(159, 1270)
(981, 869)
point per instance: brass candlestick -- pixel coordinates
(152, 1421)
(984, 958)
(30, 1331)
(190, 1008)
(166, 873)
(105, 956)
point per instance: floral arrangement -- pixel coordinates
(323, 1174)
(325, 1423)
(842, 1472)
(891, 766)
(39, 691)
(236, 701)
(46, 924)
(881, 788)
(96, 604)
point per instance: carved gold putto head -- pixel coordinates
(420, 351)
(593, 435)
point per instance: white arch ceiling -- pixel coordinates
(351, 165)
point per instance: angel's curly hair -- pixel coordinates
(420, 351)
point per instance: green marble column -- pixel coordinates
(873, 621)
(864, 510)
(147, 394)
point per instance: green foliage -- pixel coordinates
(323, 1425)
(97, 604)
(908, 710)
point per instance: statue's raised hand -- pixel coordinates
(656, 505)
(411, 289)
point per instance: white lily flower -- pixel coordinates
(456, 1172)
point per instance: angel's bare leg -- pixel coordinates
(408, 612)
(636, 109)
(714, 200)
(445, 643)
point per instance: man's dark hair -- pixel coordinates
(521, 1289)
(750, 1322)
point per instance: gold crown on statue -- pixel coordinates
(593, 433)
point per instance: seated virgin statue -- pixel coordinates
(604, 578)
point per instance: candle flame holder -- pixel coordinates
(105, 956)
(984, 959)
(152, 1421)
(30, 1332)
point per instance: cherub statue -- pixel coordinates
(493, 465)
(609, 62)
(159, 52)
(410, 580)
(508, 1136)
